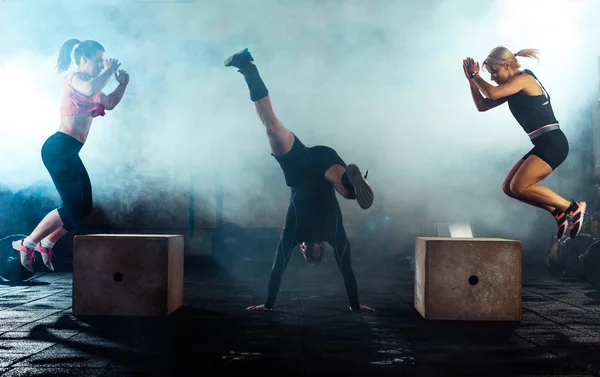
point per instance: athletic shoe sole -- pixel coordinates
(362, 190)
(581, 218)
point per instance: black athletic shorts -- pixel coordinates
(552, 147)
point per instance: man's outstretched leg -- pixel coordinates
(348, 181)
(280, 138)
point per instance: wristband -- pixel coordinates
(473, 74)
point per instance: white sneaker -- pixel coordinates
(27, 255)
(47, 255)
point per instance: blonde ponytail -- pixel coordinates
(529, 53)
(499, 55)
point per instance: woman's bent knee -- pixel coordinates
(507, 190)
(518, 190)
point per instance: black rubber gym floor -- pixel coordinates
(310, 333)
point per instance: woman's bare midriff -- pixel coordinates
(77, 126)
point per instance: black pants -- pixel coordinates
(60, 154)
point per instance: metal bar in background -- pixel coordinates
(192, 222)
(216, 236)
(596, 127)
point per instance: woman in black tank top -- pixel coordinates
(530, 105)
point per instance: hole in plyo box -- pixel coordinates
(118, 276)
(473, 280)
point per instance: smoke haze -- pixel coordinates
(379, 81)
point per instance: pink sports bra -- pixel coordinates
(76, 103)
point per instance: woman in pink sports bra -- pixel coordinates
(82, 101)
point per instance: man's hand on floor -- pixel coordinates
(363, 308)
(258, 308)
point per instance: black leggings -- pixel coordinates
(60, 154)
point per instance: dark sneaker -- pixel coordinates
(562, 220)
(576, 214)
(239, 60)
(362, 190)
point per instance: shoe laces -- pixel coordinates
(47, 251)
(30, 256)
(30, 253)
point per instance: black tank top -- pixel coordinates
(532, 112)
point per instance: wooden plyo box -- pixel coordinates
(127, 274)
(473, 279)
